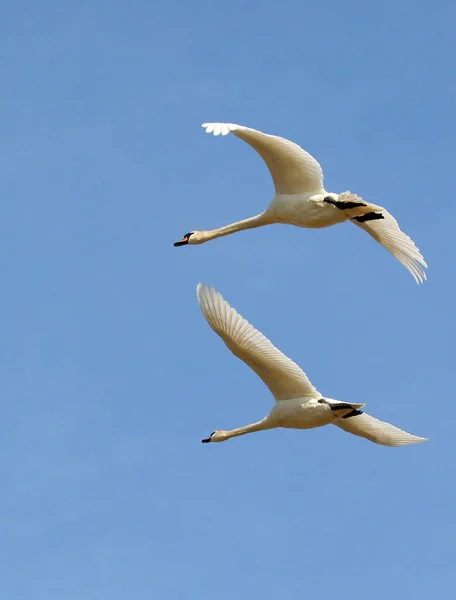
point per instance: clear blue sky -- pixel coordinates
(109, 374)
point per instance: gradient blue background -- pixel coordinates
(109, 374)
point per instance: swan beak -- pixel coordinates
(181, 242)
(206, 440)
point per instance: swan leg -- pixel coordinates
(346, 406)
(352, 412)
(343, 205)
(370, 216)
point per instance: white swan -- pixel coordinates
(300, 199)
(298, 404)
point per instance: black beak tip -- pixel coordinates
(184, 241)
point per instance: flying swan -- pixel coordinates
(300, 199)
(298, 404)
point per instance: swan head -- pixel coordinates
(216, 436)
(193, 237)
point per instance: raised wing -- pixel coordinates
(293, 170)
(384, 228)
(282, 376)
(377, 431)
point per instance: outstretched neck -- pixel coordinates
(251, 223)
(259, 426)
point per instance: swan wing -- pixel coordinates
(283, 377)
(293, 170)
(384, 228)
(377, 431)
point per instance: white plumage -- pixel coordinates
(293, 170)
(301, 199)
(298, 403)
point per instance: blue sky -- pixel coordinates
(109, 374)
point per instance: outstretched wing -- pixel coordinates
(384, 228)
(282, 376)
(293, 170)
(377, 431)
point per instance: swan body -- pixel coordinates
(298, 404)
(304, 210)
(300, 199)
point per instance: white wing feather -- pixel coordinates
(388, 233)
(293, 170)
(283, 377)
(377, 431)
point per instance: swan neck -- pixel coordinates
(250, 223)
(259, 426)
